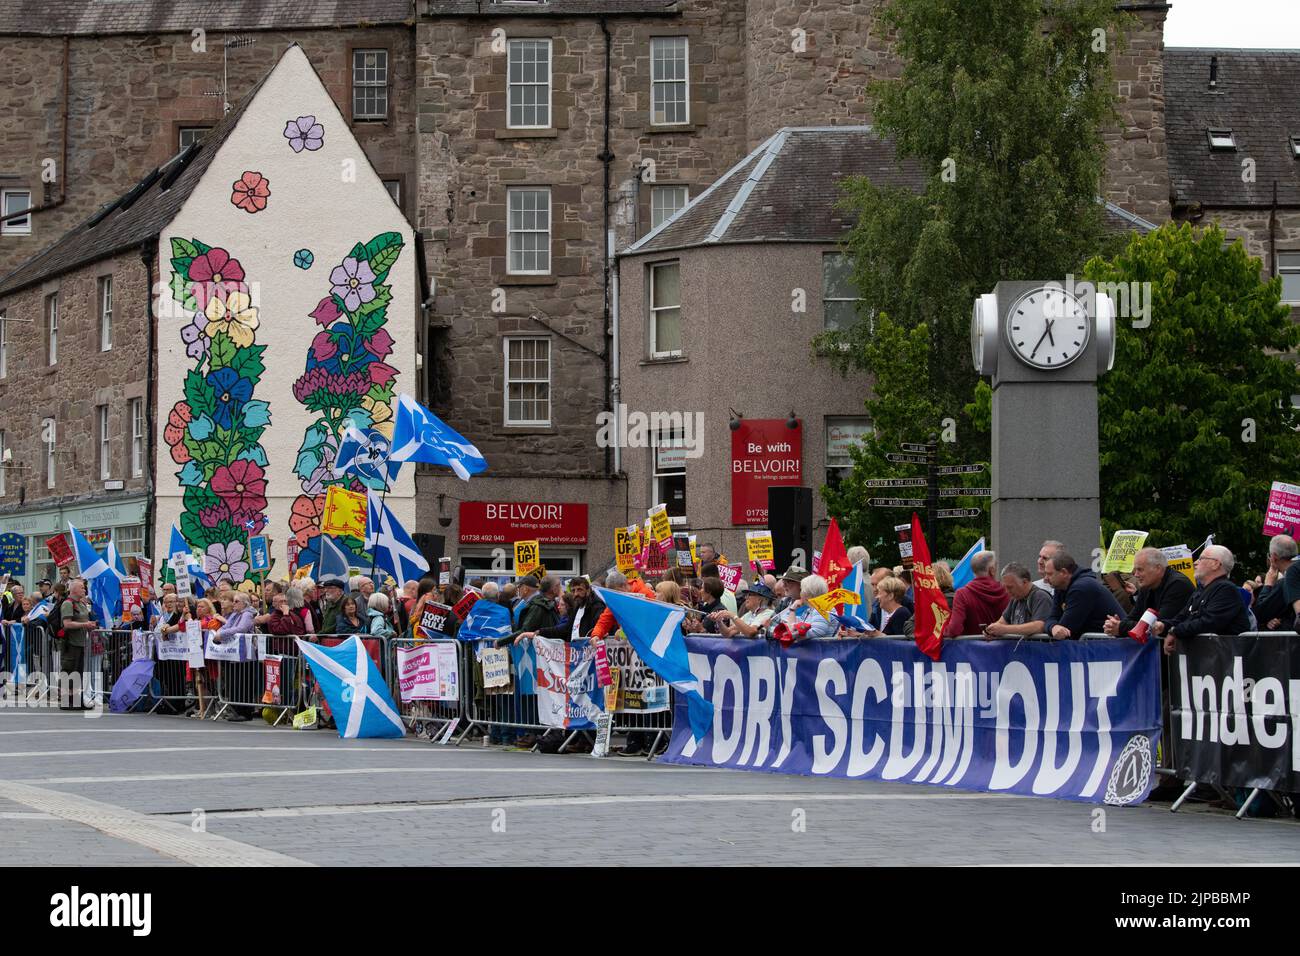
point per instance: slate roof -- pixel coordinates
(549, 8)
(98, 17)
(136, 216)
(786, 190)
(1257, 96)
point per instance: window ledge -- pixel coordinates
(50, 369)
(548, 133)
(653, 130)
(666, 360)
(505, 430)
(526, 280)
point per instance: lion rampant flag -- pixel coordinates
(931, 606)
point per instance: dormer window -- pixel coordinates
(1222, 139)
(1295, 147)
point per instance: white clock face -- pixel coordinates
(1047, 328)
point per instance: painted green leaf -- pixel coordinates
(383, 295)
(197, 498)
(202, 249)
(181, 264)
(382, 251)
(199, 394)
(222, 351)
(370, 323)
(382, 393)
(180, 287)
(193, 529)
(183, 248)
(358, 251)
(248, 362)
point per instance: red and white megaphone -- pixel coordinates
(790, 633)
(1143, 627)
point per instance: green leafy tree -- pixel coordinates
(1196, 419)
(1003, 103)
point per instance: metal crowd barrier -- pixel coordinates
(241, 685)
(34, 662)
(428, 718)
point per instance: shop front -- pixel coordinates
(24, 534)
(489, 530)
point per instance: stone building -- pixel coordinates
(192, 353)
(526, 142)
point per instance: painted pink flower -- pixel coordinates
(323, 347)
(380, 344)
(326, 311)
(318, 379)
(174, 432)
(250, 191)
(241, 485)
(380, 373)
(214, 275)
(242, 519)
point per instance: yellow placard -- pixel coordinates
(758, 544)
(823, 603)
(626, 548)
(345, 513)
(1124, 547)
(660, 527)
(528, 557)
(695, 558)
(1179, 557)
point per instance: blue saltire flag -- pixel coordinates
(485, 620)
(354, 688)
(18, 653)
(524, 659)
(40, 611)
(654, 630)
(962, 575)
(333, 561)
(855, 615)
(419, 435)
(103, 586)
(200, 581)
(365, 454)
(392, 547)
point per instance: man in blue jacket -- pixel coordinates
(1216, 606)
(1080, 603)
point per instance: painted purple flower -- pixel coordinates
(315, 483)
(195, 337)
(214, 515)
(318, 379)
(380, 344)
(353, 282)
(304, 133)
(326, 311)
(241, 519)
(224, 562)
(323, 347)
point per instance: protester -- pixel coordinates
(788, 587)
(1028, 610)
(77, 624)
(755, 613)
(943, 578)
(710, 601)
(979, 603)
(350, 620)
(1045, 552)
(1159, 588)
(1216, 606)
(1080, 603)
(1272, 609)
(707, 554)
(538, 609)
(584, 610)
(331, 603)
(378, 611)
(1122, 587)
(204, 677)
(894, 614)
(297, 601)
(803, 621)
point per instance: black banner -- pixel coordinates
(1235, 711)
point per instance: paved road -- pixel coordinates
(132, 790)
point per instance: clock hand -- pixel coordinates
(1048, 332)
(1038, 343)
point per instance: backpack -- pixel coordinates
(54, 620)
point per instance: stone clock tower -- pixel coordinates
(1044, 345)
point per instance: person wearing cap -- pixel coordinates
(756, 611)
(331, 602)
(790, 582)
(539, 610)
(45, 586)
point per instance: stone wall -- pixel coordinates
(1137, 168)
(68, 391)
(128, 96)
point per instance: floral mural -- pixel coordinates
(215, 433)
(346, 383)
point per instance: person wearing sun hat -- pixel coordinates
(756, 612)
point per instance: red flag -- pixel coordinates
(834, 562)
(931, 606)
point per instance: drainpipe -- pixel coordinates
(1272, 235)
(63, 161)
(615, 388)
(606, 158)
(148, 253)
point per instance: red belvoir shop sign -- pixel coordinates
(483, 522)
(764, 452)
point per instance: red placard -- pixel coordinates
(146, 572)
(60, 550)
(130, 596)
(461, 610)
(764, 452)
(549, 522)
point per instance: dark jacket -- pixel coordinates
(1271, 604)
(286, 624)
(976, 604)
(1168, 598)
(564, 631)
(1083, 606)
(711, 627)
(896, 626)
(1214, 609)
(538, 613)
